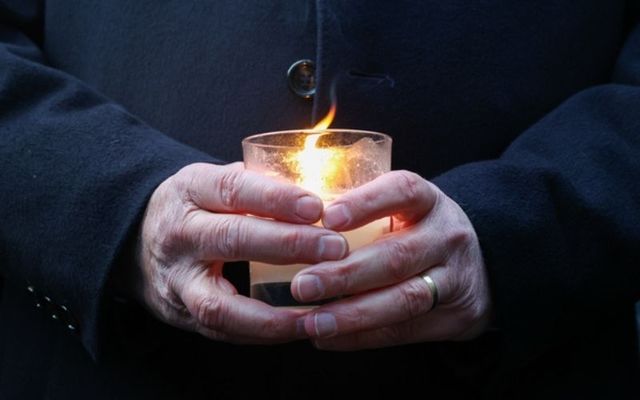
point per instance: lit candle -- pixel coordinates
(327, 162)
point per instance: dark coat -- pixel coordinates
(526, 113)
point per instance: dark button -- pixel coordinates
(302, 78)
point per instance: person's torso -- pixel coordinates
(451, 81)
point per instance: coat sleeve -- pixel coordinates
(558, 214)
(76, 171)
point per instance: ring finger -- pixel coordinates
(405, 301)
(388, 261)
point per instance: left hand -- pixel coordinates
(389, 302)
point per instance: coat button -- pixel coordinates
(302, 78)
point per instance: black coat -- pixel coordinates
(526, 113)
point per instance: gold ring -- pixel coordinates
(432, 288)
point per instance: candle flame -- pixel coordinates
(327, 120)
(318, 166)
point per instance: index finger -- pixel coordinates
(233, 189)
(403, 194)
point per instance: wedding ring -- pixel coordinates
(432, 288)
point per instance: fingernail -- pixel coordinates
(332, 247)
(309, 288)
(325, 324)
(309, 208)
(336, 216)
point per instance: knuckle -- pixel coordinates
(367, 198)
(409, 186)
(293, 243)
(354, 318)
(227, 238)
(361, 205)
(184, 176)
(342, 278)
(461, 238)
(358, 318)
(414, 298)
(209, 312)
(230, 188)
(184, 180)
(399, 255)
(272, 198)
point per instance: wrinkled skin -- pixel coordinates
(205, 215)
(386, 301)
(198, 219)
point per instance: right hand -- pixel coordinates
(195, 221)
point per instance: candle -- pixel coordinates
(272, 283)
(324, 161)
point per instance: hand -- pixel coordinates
(390, 303)
(195, 221)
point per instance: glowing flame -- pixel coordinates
(318, 166)
(327, 120)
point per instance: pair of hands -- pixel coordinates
(197, 219)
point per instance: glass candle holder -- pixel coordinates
(327, 163)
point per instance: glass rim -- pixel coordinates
(379, 136)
